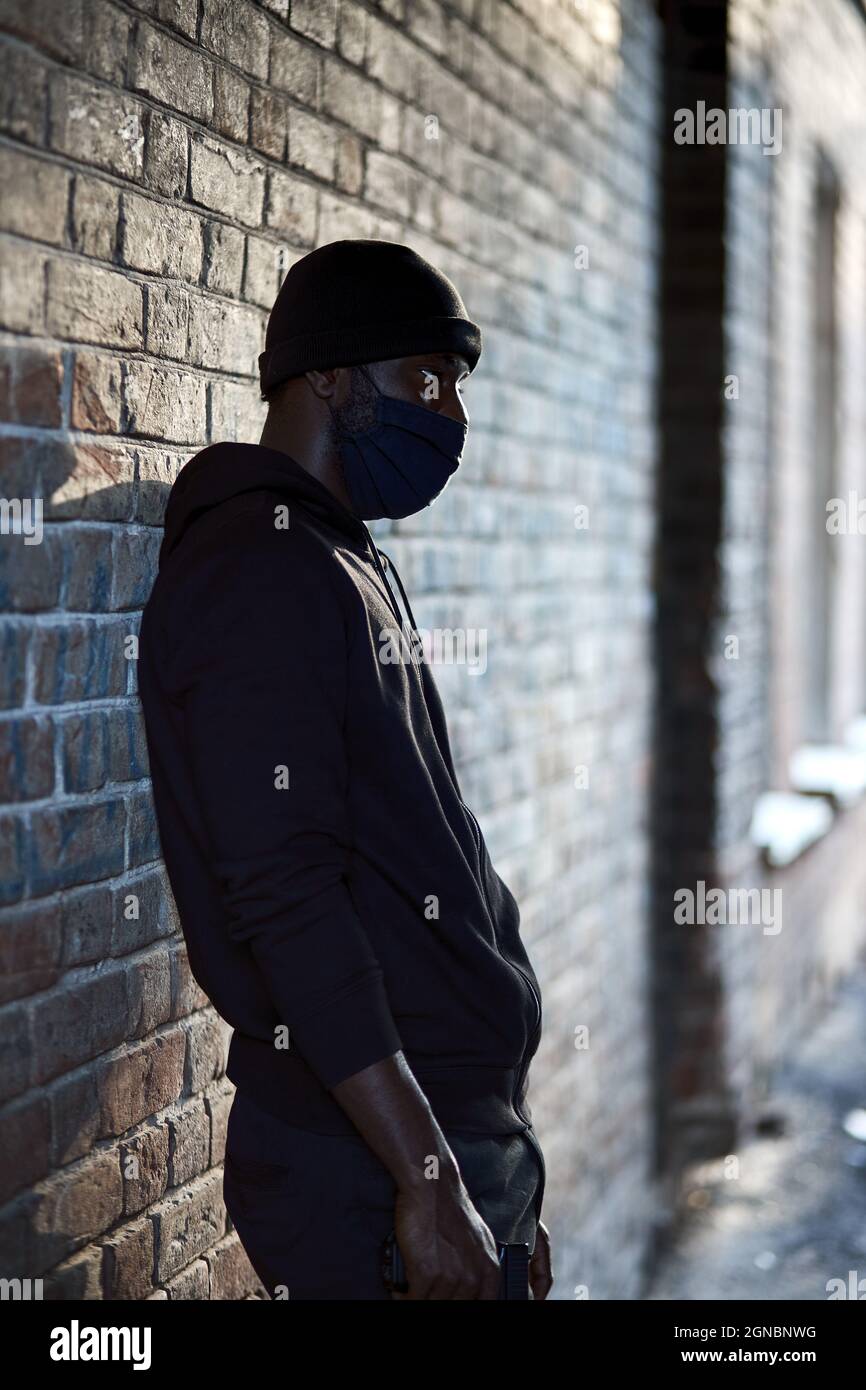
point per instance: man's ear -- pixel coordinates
(325, 382)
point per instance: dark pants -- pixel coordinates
(312, 1210)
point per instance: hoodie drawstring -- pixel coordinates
(378, 557)
(389, 561)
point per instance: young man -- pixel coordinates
(336, 895)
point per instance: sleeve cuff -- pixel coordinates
(351, 1033)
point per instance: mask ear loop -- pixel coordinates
(374, 550)
(350, 435)
(417, 644)
(340, 432)
(362, 367)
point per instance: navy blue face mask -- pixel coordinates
(402, 463)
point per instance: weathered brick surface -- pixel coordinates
(143, 912)
(23, 95)
(162, 404)
(171, 73)
(94, 217)
(87, 573)
(187, 994)
(163, 163)
(36, 197)
(139, 1081)
(190, 1140)
(238, 31)
(25, 1153)
(160, 241)
(26, 759)
(76, 1279)
(128, 1261)
(31, 951)
(226, 180)
(188, 1222)
(144, 1161)
(66, 1212)
(31, 381)
(231, 1274)
(97, 127)
(192, 1283)
(88, 304)
(22, 287)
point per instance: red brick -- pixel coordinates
(31, 380)
(141, 1081)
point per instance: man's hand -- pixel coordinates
(540, 1271)
(448, 1250)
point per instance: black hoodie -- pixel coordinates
(335, 892)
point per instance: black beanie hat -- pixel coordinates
(363, 301)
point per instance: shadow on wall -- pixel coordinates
(92, 1043)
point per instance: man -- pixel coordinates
(335, 892)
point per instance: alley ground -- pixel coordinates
(795, 1217)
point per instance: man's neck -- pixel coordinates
(312, 454)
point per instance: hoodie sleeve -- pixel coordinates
(264, 704)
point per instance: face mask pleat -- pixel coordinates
(403, 463)
(361, 480)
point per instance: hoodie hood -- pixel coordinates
(225, 470)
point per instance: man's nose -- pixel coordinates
(451, 405)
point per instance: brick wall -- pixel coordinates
(163, 163)
(741, 535)
(775, 519)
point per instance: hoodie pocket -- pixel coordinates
(485, 867)
(264, 1177)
